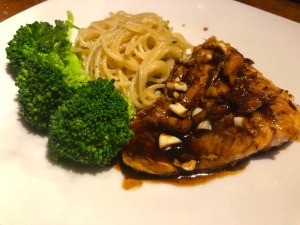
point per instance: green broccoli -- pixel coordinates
(46, 86)
(92, 126)
(47, 72)
(38, 37)
(87, 120)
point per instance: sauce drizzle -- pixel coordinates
(134, 180)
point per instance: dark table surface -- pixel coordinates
(286, 8)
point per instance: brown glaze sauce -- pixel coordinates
(134, 180)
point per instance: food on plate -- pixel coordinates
(37, 38)
(91, 130)
(45, 70)
(136, 50)
(195, 112)
(87, 120)
(216, 109)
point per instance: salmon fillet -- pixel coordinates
(216, 110)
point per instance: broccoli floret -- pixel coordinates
(92, 126)
(47, 72)
(43, 88)
(38, 37)
(87, 120)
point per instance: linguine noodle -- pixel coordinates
(137, 51)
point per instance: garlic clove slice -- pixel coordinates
(166, 140)
(205, 125)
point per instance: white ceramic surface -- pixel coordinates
(35, 191)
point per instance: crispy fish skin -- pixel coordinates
(245, 112)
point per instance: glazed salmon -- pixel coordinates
(216, 110)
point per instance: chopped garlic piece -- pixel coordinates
(177, 79)
(222, 46)
(166, 140)
(179, 109)
(176, 95)
(205, 125)
(208, 57)
(170, 85)
(180, 86)
(188, 51)
(212, 91)
(187, 166)
(196, 111)
(238, 121)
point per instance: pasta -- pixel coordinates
(137, 51)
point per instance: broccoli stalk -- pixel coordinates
(92, 126)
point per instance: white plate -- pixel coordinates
(34, 191)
